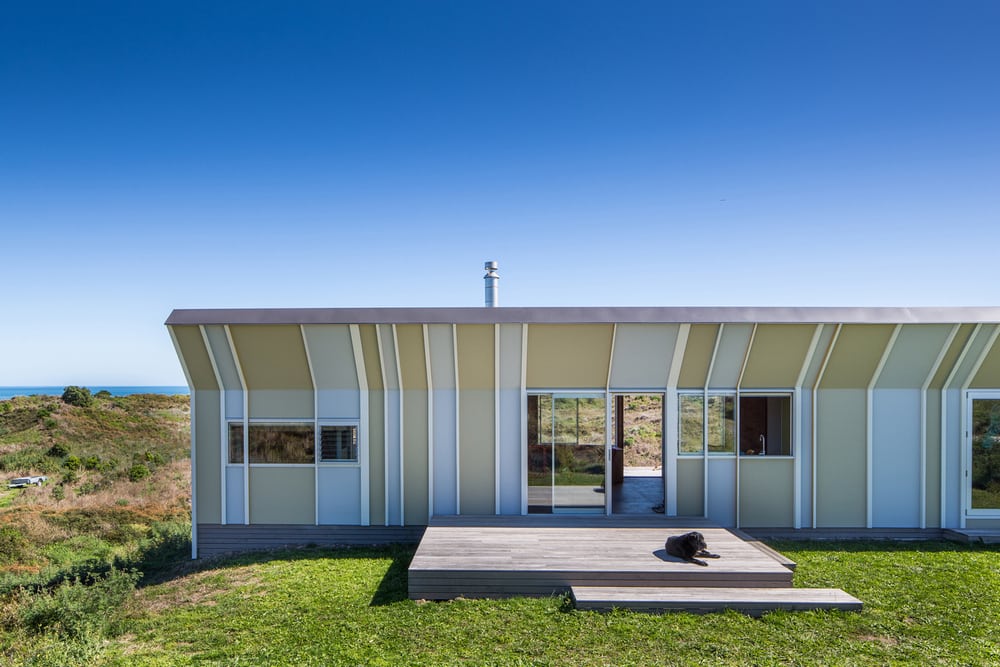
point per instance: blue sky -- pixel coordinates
(160, 155)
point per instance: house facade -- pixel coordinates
(346, 425)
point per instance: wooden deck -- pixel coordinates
(544, 556)
(606, 563)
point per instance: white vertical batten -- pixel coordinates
(524, 418)
(246, 426)
(944, 426)
(869, 425)
(496, 418)
(670, 434)
(458, 426)
(223, 430)
(704, 417)
(317, 443)
(430, 422)
(363, 453)
(736, 423)
(923, 423)
(385, 425)
(194, 477)
(608, 481)
(815, 401)
(402, 430)
(966, 439)
(797, 435)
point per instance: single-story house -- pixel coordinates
(359, 424)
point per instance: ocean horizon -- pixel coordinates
(11, 392)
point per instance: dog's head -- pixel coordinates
(695, 541)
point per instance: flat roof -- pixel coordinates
(588, 315)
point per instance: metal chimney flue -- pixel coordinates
(492, 279)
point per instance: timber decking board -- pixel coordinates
(533, 558)
(753, 601)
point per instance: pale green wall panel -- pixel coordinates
(332, 356)
(281, 404)
(208, 456)
(567, 356)
(841, 459)
(988, 376)
(272, 356)
(913, 356)
(697, 356)
(729, 357)
(777, 356)
(933, 479)
(477, 460)
(282, 495)
(412, 359)
(642, 355)
(856, 355)
(376, 457)
(415, 459)
(951, 357)
(690, 487)
(195, 355)
(767, 495)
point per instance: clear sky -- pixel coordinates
(160, 155)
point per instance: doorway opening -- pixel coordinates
(637, 454)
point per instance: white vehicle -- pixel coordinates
(38, 480)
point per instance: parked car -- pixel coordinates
(37, 480)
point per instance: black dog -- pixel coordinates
(687, 546)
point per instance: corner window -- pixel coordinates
(691, 423)
(338, 443)
(766, 425)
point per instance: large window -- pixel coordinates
(294, 443)
(765, 424)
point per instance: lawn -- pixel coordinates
(925, 602)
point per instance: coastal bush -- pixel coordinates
(104, 393)
(72, 462)
(138, 472)
(155, 458)
(59, 450)
(92, 462)
(76, 608)
(13, 545)
(58, 492)
(78, 396)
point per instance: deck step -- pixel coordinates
(751, 601)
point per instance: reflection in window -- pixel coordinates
(721, 424)
(691, 423)
(282, 443)
(236, 442)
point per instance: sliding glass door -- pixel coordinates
(566, 443)
(984, 480)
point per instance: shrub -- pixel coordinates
(78, 396)
(58, 492)
(93, 604)
(72, 462)
(138, 471)
(70, 477)
(13, 545)
(92, 462)
(85, 488)
(59, 450)
(108, 465)
(42, 413)
(155, 458)
(50, 423)
(104, 393)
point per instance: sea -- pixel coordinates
(11, 392)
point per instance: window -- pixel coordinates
(338, 443)
(282, 443)
(721, 424)
(236, 442)
(691, 423)
(766, 425)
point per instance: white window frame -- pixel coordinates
(769, 393)
(967, 509)
(355, 463)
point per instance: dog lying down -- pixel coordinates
(689, 545)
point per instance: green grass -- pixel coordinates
(925, 603)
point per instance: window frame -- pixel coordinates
(342, 463)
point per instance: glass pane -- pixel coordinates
(591, 416)
(986, 453)
(566, 421)
(579, 478)
(766, 425)
(721, 424)
(338, 443)
(539, 443)
(282, 443)
(236, 443)
(690, 423)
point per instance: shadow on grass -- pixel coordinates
(857, 546)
